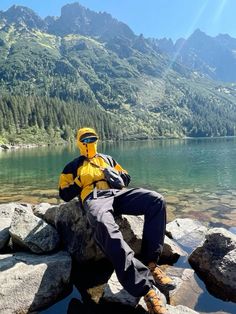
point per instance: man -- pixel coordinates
(101, 183)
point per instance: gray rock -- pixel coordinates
(180, 309)
(77, 236)
(4, 231)
(187, 291)
(171, 252)
(46, 211)
(31, 232)
(7, 210)
(31, 282)
(215, 262)
(114, 292)
(187, 232)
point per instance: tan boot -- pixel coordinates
(163, 282)
(154, 302)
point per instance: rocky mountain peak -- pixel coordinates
(23, 15)
(76, 19)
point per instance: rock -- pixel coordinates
(187, 291)
(4, 231)
(77, 236)
(46, 211)
(171, 252)
(215, 262)
(180, 309)
(187, 232)
(5, 146)
(114, 292)
(31, 232)
(7, 210)
(31, 282)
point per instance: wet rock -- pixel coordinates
(187, 232)
(31, 232)
(30, 282)
(4, 231)
(180, 309)
(114, 292)
(187, 290)
(5, 146)
(171, 252)
(215, 262)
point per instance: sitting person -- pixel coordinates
(101, 184)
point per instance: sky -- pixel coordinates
(152, 18)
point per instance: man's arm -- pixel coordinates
(68, 186)
(123, 173)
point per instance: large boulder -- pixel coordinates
(6, 212)
(31, 232)
(77, 237)
(75, 234)
(215, 262)
(187, 232)
(30, 282)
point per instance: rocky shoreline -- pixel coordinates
(45, 250)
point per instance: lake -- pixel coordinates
(196, 176)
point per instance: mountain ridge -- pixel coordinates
(137, 90)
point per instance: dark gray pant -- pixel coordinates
(134, 276)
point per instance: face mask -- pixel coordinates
(87, 142)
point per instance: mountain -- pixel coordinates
(87, 68)
(214, 57)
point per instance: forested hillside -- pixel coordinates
(86, 68)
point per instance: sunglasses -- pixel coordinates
(89, 140)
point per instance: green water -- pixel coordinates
(197, 176)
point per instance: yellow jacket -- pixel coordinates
(80, 176)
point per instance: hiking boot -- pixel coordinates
(163, 282)
(155, 302)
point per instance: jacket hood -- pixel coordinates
(88, 150)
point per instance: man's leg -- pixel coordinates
(134, 276)
(152, 205)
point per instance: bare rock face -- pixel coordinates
(30, 282)
(31, 232)
(215, 262)
(187, 232)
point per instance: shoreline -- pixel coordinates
(9, 146)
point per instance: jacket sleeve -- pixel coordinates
(68, 186)
(123, 173)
